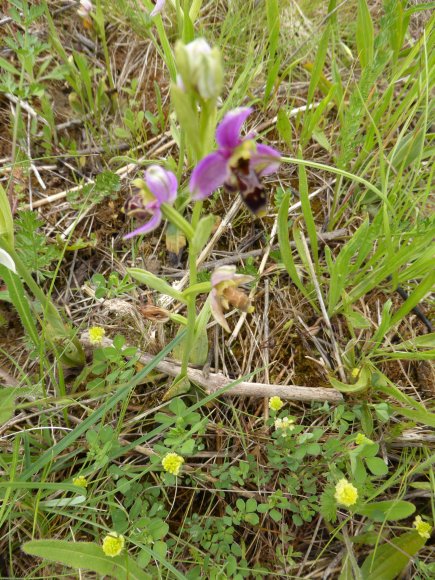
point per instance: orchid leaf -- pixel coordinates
(156, 283)
(387, 561)
(361, 385)
(86, 556)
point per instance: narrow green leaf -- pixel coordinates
(284, 127)
(19, 299)
(284, 243)
(425, 286)
(156, 283)
(319, 62)
(42, 486)
(364, 34)
(308, 215)
(7, 402)
(6, 220)
(408, 150)
(273, 25)
(8, 67)
(86, 556)
(418, 416)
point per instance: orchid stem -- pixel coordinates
(191, 300)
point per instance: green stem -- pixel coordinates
(191, 300)
(178, 220)
(196, 289)
(178, 318)
(340, 172)
(50, 311)
(102, 33)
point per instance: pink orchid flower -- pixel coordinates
(238, 164)
(159, 187)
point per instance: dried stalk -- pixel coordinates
(215, 381)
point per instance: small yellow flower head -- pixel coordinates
(113, 544)
(172, 463)
(355, 372)
(96, 334)
(275, 403)
(361, 439)
(80, 481)
(285, 424)
(423, 528)
(345, 493)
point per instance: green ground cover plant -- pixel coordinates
(216, 277)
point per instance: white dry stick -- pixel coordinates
(216, 381)
(26, 107)
(123, 173)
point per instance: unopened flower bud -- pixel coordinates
(200, 68)
(225, 293)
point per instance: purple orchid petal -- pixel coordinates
(216, 310)
(228, 131)
(265, 160)
(162, 184)
(160, 4)
(210, 173)
(152, 224)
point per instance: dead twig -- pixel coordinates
(216, 381)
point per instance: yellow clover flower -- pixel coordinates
(423, 528)
(80, 481)
(96, 334)
(172, 463)
(345, 493)
(355, 372)
(285, 424)
(361, 439)
(113, 544)
(275, 403)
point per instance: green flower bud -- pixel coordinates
(200, 68)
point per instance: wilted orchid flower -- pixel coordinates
(225, 293)
(84, 10)
(239, 163)
(160, 186)
(85, 7)
(160, 4)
